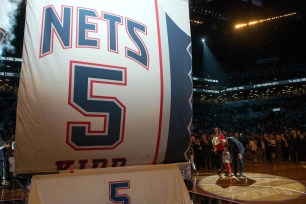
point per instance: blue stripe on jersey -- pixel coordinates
(181, 93)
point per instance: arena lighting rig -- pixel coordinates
(196, 22)
(251, 23)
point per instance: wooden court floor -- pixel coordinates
(275, 182)
(19, 195)
(271, 183)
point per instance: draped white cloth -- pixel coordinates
(162, 184)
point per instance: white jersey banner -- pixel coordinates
(104, 84)
(162, 184)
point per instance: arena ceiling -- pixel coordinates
(278, 35)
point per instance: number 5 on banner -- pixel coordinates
(113, 192)
(82, 77)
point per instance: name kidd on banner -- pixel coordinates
(104, 84)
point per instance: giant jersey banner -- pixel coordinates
(158, 184)
(104, 84)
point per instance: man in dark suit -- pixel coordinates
(237, 149)
(295, 141)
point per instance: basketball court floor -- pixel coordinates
(275, 182)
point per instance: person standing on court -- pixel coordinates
(237, 150)
(218, 149)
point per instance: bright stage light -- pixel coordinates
(203, 40)
(238, 26)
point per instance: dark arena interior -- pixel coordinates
(249, 81)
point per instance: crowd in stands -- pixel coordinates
(7, 138)
(257, 74)
(8, 104)
(7, 159)
(254, 73)
(286, 146)
(250, 116)
(271, 130)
